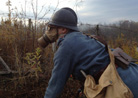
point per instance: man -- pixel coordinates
(78, 52)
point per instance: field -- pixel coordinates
(32, 65)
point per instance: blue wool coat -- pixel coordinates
(79, 52)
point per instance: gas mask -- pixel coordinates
(50, 36)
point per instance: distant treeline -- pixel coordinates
(111, 31)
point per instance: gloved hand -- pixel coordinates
(50, 36)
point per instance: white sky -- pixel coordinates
(88, 11)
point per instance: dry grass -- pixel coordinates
(33, 64)
(128, 45)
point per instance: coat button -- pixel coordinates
(110, 82)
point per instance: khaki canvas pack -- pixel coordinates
(110, 84)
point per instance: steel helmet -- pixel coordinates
(65, 17)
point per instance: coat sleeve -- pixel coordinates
(61, 71)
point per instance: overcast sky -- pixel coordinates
(88, 11)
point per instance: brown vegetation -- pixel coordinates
(20, 50)
(33, 64)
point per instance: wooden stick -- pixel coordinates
(5, 65)
(9, 71)
(4, 72)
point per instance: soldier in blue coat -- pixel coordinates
(76, 52)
